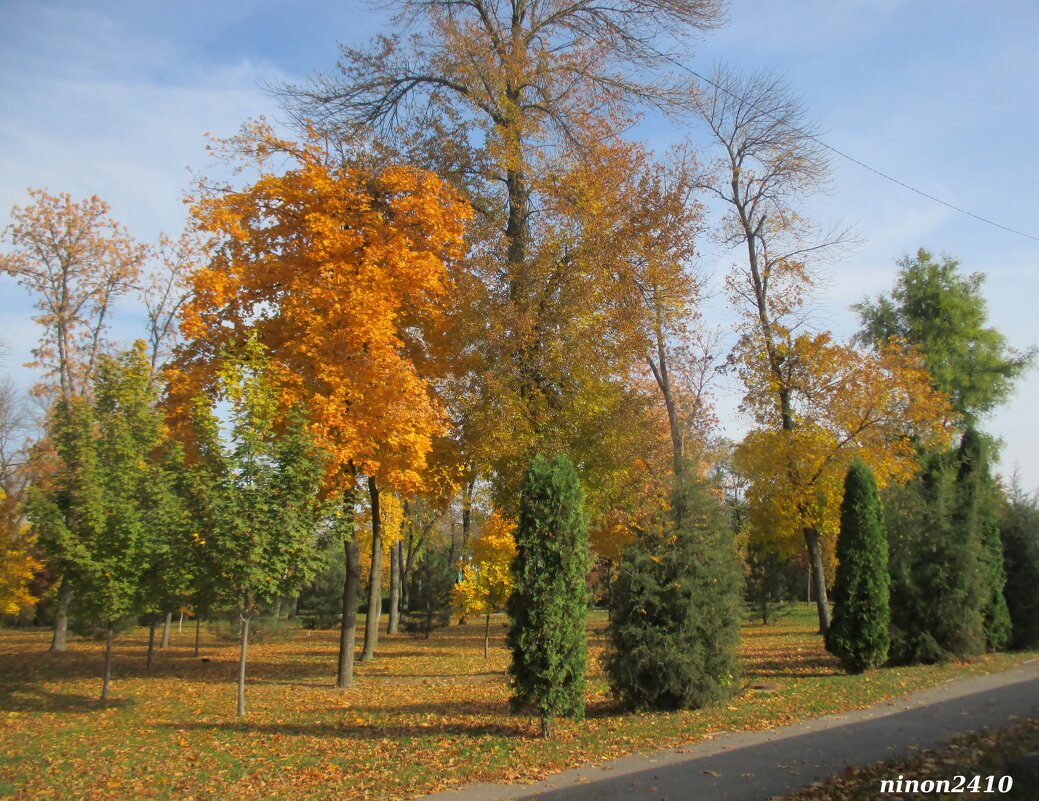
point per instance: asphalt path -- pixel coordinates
(756, 766)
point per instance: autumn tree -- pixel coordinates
(165, 287)
(76, 261)
(339, 269)
(18, 564)
(506, 102)
(487, 581)
(816, 404)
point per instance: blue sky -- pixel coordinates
(113, 98)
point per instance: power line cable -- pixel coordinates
(844, 155)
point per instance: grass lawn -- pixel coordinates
(424, 715)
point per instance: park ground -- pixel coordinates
(425, 715)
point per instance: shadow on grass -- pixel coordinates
(34, 699)
(353, 731)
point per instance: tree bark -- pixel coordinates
(467, 523)
(277, 608)
(108, 663)
(198, 630)
(371, 623)
(167, 623)
(241, 663)
(547, 725)
(151, 644)
(347, 632)
(395, 554)
(180, 623)
(815, 553)
(61, 618)
(487, 636)
(293, 607)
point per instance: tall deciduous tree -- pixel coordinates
(940, 311)
(816, 403)
(76, 261)
(859, 634)
(506, 101)
(263, 490)
(550, 600)
(340, 271)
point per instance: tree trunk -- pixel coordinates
(241, 663)
(815, 552)
(167, 623)
(180, 623)
(487, 636)
(277, 608)
(347, 631)
(61, 618)
(467, 524)
(371, 623)
(547, 725)
(293, 607)
(151, 643)
(198, 629)
(108, 663)
(395, 554)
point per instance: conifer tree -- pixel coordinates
(858, 635)
(432, 588)
(1019, 531)
(548, 606)
(674, 626)
(978, 526)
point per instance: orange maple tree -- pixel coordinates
(340, 269)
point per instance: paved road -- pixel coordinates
(759, 765)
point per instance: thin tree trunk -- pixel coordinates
(467, 522)
(371, 623)
(180, 623)
(151, 643)
(241, 663)
(822, 604)
(277, 608)
(167, 623)
(198, 629)
(347, 631)
(108, 663)
(395, 554)
(61, 618)
(487, 636)
(293, 607)
(547, 725)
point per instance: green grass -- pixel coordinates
(172, 734)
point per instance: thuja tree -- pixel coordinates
(548, 605)
(977, 522)
(1019, 529)
(432, 589)
(858, 635)
(676, 610)
(936, 566)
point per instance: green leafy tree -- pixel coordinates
(261, 501)
(550, 600)
(99, 521)
(859, 635)
(674, 627)
(1019, 530)
(941, 311)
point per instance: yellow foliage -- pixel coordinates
(487, 581)
(17, 565)
(847, 404)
